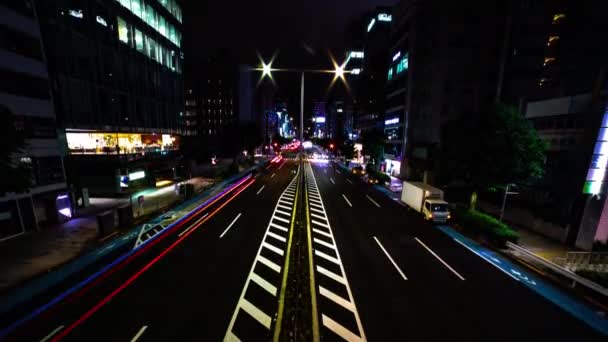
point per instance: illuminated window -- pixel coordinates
(151, 17)
(403, 64)
(558, 18)
(123, 30)
(390, 73)
(151, 45)
(136, 7)
(162, 25)
(126, 3)
(549, 60)
(552, 39)
(139, 40)
(172, 36)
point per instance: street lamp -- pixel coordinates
(266, 69)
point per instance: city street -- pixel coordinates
(399, 278)
(381, 273)
(185, 287)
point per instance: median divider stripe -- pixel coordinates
(270, 241)
(321, 227)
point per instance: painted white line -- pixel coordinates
(230, 225)
(347, 201)
(391, 259)
(339, 330)
(348, 180)
(317, 210)
(290, 192)
(272, 176)
(279, 227)
(336, 299)
(192, 225)
(323, 243)
(278, 237)
(332, 180)
(285, 201)
(331, 275)
(312, 199)
(283, 212)
(486, 259)
(319, 223)
(284, 207)
(324, 170)
(270, 264)
(256, 313)
(51, 334)
(318, 231)
(262, 188)
(318, 216)
(338, 171)
(438, 258)
(369, 198)
(281, 219)
(273, 248)
(139, 333)
(282, 165)
(316, 205)
(264, 284)
(327, 257)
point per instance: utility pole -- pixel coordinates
(302, 108)
(504, 201)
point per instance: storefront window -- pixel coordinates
(136, 7)
(139, 40)
(123, 30)
(119, 143)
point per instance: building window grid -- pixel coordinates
(153, 19)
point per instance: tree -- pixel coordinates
(502, 148)
(373, 145)
(16, 175)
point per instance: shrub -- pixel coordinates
(485, 225)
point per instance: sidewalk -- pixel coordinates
(35, 253)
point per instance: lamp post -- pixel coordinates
(504, 200)
(338, 72)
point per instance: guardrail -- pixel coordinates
(575, 278)
(593, 261)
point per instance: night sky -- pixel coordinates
(302, 33)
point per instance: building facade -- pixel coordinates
(573, 187)
(116, 71)
(25, 95)
(443, 66)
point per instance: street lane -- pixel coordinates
(434, 303)
(190, 291)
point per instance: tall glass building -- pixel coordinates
(116, 72)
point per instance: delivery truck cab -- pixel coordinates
(436, 210)
(426, 200)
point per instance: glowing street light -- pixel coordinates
(339, 71)
(266, 69)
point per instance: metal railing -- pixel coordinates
(592, 261)
(575, 278)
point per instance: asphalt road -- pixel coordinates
(381, 274)
(185, 287)
(404, 280)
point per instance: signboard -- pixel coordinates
(596, 175)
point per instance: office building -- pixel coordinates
(319, 119)
(551, 49)
(25, 95)
(573, 188)
(438, 73)
(371, 81)
(116, 70)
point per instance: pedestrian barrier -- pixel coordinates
(575, 278)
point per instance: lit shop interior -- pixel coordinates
(120, 143)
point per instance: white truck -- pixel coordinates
(426, 200)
